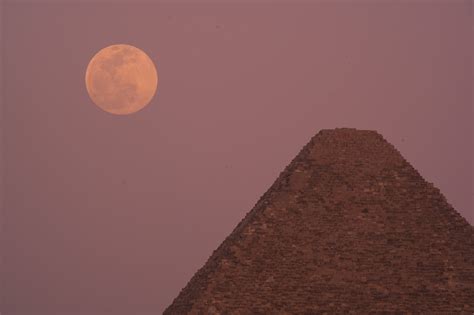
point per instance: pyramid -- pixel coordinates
(349, 227)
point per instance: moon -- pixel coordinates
(121, 79)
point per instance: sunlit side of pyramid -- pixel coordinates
(348, 227)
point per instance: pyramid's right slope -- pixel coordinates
(348, 227)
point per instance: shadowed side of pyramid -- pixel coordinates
(348, 226)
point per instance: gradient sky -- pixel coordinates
(104, 212)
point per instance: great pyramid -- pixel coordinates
(349, 227)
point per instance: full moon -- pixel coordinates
(121, 79)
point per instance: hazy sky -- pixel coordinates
(118, 212)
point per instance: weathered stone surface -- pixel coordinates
(348, 227)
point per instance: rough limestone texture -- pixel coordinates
(349, 227)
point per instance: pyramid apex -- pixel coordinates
(347, 131)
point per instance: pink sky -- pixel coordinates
(118, 212)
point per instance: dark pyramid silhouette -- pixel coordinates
(348, 227)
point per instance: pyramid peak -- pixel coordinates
(347, 131)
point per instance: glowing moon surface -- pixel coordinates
(121, 79)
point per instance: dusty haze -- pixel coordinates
(104, 212)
